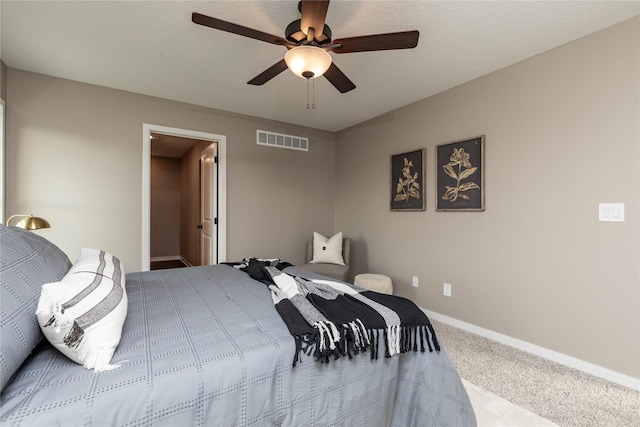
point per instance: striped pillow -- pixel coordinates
(83, 315)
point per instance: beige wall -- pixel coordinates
(74, 156)
(165, 207)
(562, 135)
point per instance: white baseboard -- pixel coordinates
(563, 359)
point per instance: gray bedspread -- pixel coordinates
(204, 346)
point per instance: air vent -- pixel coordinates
(281, 140)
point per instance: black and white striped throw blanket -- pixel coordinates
(331, 319)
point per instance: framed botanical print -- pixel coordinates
(408, 181)
(460, 175)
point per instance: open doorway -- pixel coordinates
(183, 187)
(172, 222)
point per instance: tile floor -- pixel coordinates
(494, 411)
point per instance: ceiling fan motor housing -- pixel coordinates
(294, 34)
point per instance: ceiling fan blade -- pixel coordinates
(230, 27)
(313, 14)
(339, 79)
(269, 73)
(388, 41)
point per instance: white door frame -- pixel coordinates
(221, 140)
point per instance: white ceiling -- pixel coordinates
(153, 48)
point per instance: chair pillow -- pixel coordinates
(27, 262)
(82, 315)
(327, 250)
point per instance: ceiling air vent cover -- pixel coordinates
(281, 140)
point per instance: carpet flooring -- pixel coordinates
(563, 395)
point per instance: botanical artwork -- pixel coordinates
(460, 175)
(407, 181)
(408, 185)
(459, 168)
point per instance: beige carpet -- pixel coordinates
(566, 396)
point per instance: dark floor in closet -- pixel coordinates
(160, 265)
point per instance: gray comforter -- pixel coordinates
(204, 346)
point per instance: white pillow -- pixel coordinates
(327, 250)
(82, 315)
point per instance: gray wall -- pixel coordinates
(74, 157)
(562, 135)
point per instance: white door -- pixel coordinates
(208, 206)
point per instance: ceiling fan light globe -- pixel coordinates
(303, 60)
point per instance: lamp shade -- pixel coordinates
(30, 222)
(308, 61)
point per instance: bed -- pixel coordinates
(202, 346)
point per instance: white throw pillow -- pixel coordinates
(82, 315)
(327, 250)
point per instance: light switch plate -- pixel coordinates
(611, 212)
(446, 289)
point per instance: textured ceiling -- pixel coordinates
(153, 48)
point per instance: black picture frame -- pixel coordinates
(408, 181)
(460, 175)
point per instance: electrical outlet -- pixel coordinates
(446, 290)
(415, 281)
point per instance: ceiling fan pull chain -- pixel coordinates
(313, 94)
(309, 75)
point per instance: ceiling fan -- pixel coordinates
(308, 41)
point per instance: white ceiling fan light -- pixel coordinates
(307, 61)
